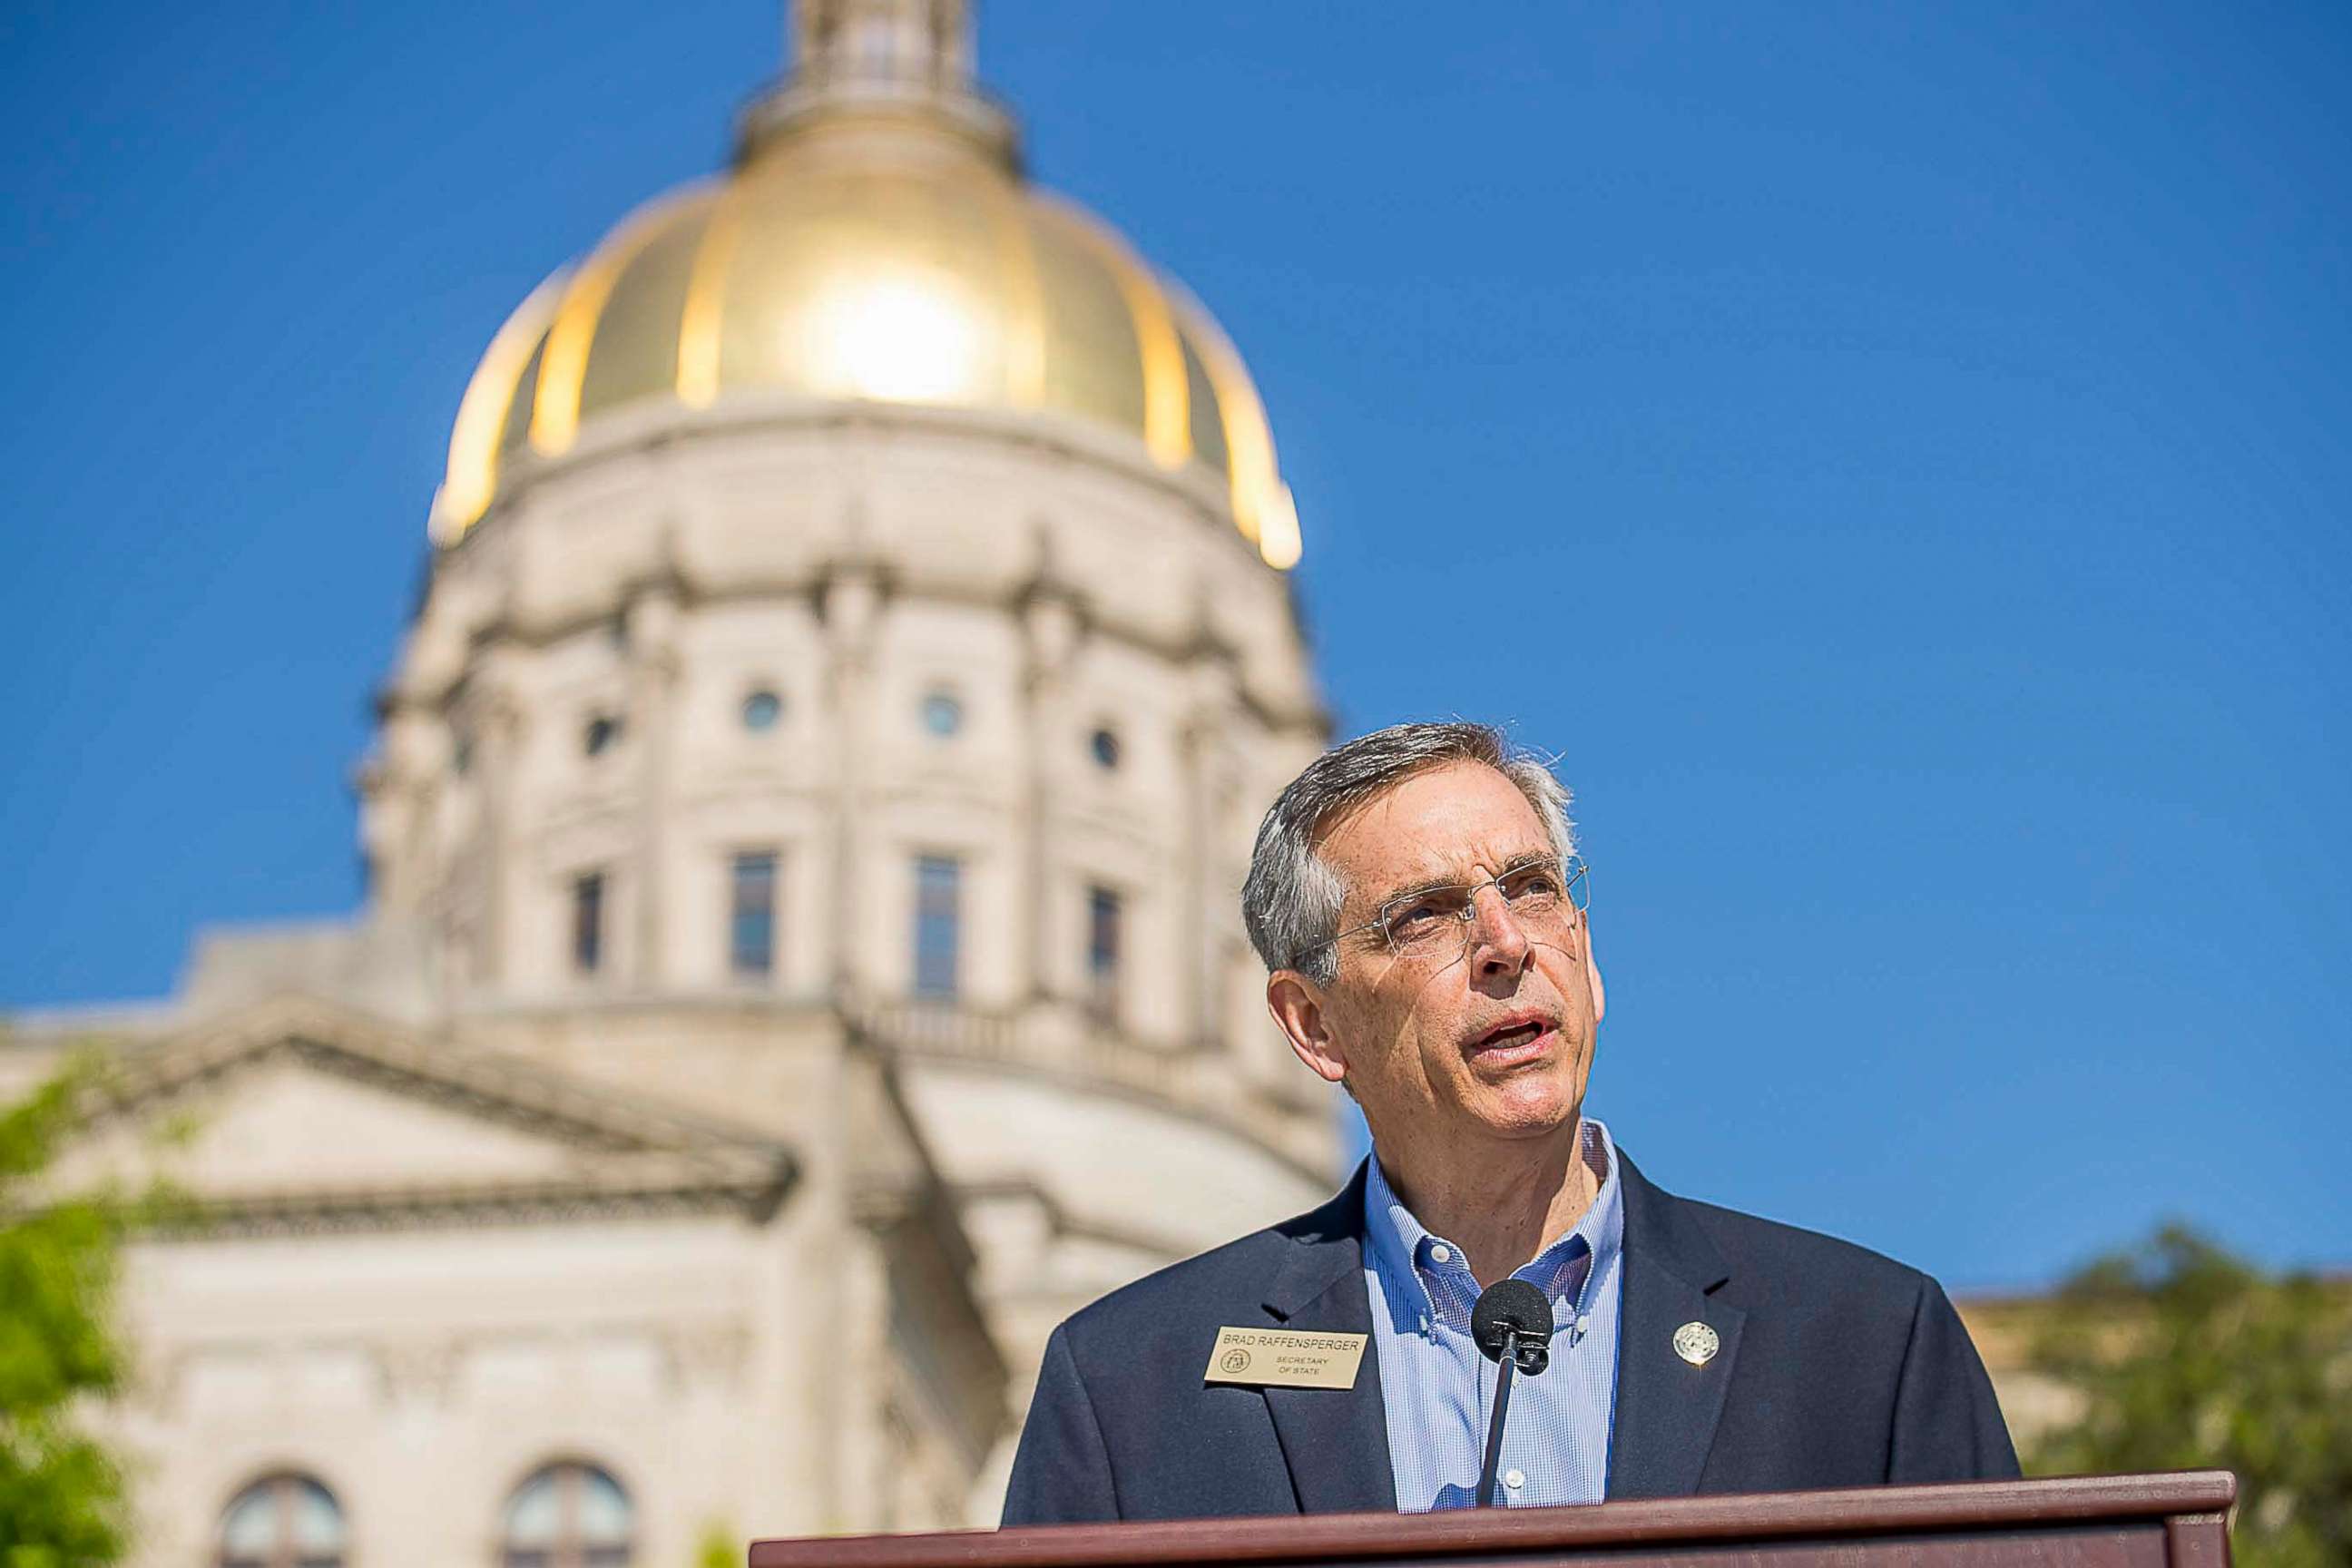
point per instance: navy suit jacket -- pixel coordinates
(1837, 1367)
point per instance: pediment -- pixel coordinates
(304, 1111)
(289, 1122)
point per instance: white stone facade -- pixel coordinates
(469, 1191)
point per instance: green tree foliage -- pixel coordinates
(2186, 1358)
(62, 1499)
(718, 1548)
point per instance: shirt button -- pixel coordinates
(1442, 1252)
(1514, 1479)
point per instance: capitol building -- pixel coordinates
(801, 960)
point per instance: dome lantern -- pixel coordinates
(863, 62)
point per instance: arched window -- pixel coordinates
(282, 1522)
(567, 1515)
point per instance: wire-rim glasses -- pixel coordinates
(1543, 893)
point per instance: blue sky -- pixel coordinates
(1896, 456)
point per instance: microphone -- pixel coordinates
(1511, 1325)
(1512, 1315)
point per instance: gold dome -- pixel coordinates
(834, 266)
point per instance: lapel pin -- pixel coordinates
(1697, 1343)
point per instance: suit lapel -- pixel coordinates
(1335, 1441)
(1667, 1409)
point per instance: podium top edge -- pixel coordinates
(1369, 1537)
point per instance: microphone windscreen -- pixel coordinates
(1504, 1305)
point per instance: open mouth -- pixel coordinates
(1513, 1041)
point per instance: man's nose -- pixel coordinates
(1498, 945)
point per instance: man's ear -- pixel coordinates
(1592, 970)
(1297, 1004)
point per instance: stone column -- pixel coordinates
(653, 626)
(850, 606)
(400, 793)
(498, 756)
(1051, 628)
(1199, 1025)
(1208, 882)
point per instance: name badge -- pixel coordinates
(1286, 1358)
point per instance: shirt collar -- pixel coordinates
(1409, 1260)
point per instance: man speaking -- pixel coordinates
(1417, 899)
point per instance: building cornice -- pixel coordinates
(610, 1195)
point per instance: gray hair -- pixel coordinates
(1291, 899)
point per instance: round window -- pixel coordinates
(942, 714)
(762, 709)
(1105, 746)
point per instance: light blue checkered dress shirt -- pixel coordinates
(1440, 1391)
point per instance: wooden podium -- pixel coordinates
(2171, 1521)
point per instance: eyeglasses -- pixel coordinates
(1544, 895)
